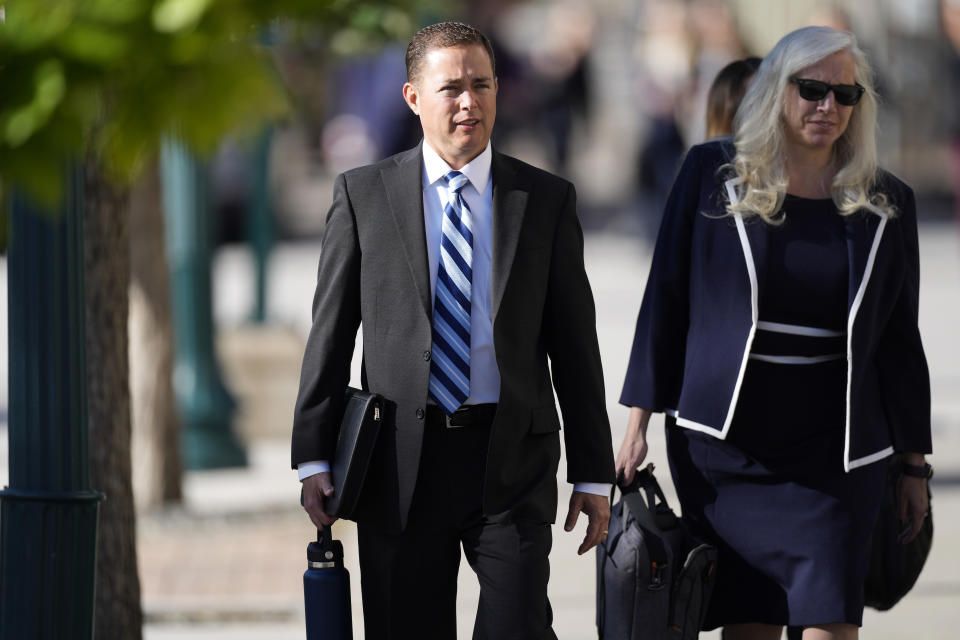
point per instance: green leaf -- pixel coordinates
(94, 44)
(365, 17)
(50, 85)
(172, 16)
(397, 24)
(111, 78)
(113, 12)
(189, 48)
(30, 25)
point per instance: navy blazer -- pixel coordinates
(699, 314)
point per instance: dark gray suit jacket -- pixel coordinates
(373, 271)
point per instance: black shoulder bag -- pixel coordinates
(894, 566)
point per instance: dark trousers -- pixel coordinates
(409, 581)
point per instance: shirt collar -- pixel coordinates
(477, 170)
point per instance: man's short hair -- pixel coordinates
(441, 36)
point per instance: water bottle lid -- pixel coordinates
(325, 551)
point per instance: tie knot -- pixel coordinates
(456, 181)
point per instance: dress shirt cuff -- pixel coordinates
(596, 488)
(307, 469)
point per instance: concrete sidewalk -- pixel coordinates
(229, 564)
(220, 569)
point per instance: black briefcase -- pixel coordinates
(362, 416)
(654, 581)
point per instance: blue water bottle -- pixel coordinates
(326, 590)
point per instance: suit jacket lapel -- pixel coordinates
(404, 187)
(510, 194)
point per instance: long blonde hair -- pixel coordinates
(760, 160)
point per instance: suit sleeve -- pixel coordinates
(904, 377)
(655, 371)
(571, 341)
(336, 318)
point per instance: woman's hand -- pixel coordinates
(914, 503)
(634, 448)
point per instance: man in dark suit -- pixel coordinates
(465, 269)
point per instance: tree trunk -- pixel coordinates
(117, 614)
(156, 437)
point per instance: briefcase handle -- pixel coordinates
(642, 504)
(643, 479)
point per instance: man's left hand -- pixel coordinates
(597, 508)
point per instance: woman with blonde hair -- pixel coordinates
(778, 331)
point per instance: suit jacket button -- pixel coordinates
(426, 355)
(420, 414)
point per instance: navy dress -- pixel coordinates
(792, 528)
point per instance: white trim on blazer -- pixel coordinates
(849, 464)
(873, 457)
(798, 330)
(797, 359)
(754, 303)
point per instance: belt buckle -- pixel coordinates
(448, 419)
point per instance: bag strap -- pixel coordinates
(641, 505)
(650, 486)
(641, 511)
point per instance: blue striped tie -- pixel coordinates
(450, 362)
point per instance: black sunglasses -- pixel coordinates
(815, 91)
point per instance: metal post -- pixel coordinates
(206, 407)
(260, 220)
(48, 514)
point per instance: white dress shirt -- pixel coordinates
(484, 373)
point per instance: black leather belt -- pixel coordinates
(469, 415)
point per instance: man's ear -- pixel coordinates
(412, 97)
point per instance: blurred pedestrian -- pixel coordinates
(665, 84)
(778, 330)
(560, 74)
(465, 269)
(950, 19)
(715, 39)
(725, 95)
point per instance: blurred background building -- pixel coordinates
(609, 93)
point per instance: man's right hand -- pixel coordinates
(315, 489)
